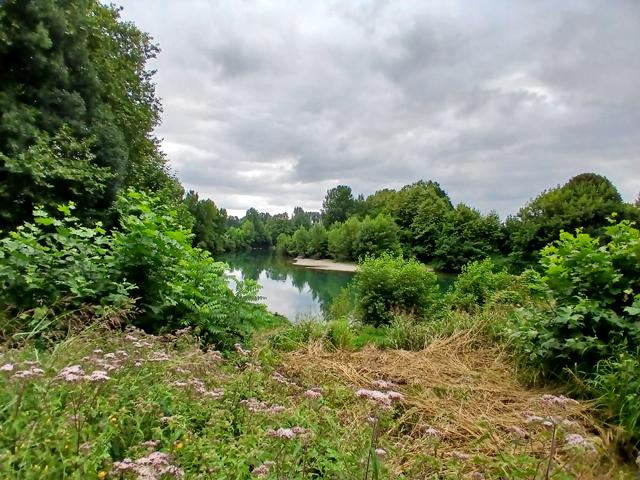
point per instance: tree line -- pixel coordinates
(418, 221)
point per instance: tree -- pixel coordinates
(342, 239)
(300, 218)
(426, 226)
(277, 225)
(586, 200)
(466, 236)
(338, 204)
(209, 222)
(75, 70)
(259, 237)
(300, 241)
(376, 236)
(318, 241)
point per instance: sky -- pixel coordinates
(268, 104)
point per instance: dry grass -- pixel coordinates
(467, 390)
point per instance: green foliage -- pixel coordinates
(389, 284)
(76, 98)
(616, 386)
(59, 262)
(338, 205)
(585, 201)
(209, 222)
(477, 285)
(342, 239)
(592, 290)
(466, 236)
(376, 236)
(318, 241)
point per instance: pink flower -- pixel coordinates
(381, 398)
(286, 433)
(517, 431)
(97, 350)
(74, 373)
(7, 367)
(560, 400)
(576, 440)
(432, 432)
(131, 338)
(313, 393)
(98, 376)
(278, 377)
(384, 384)
(256, 406)
(32, 372)
(151, 443)
(110, 356)
(263, 470)
(381, 452)
(158, 357)
(238, 348)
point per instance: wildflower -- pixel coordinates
(517, 431)
(285, 433)
(215, 356)
(32, 372)
(313, 393)
(122, 353)
(432, 432)
(102, 474)
(158, 357)
(74, 373)
(216, 393)
(138, 363)
(278, 377)
(384, 384)
(151, 443)
(560, 400)
(263, 470)
(98, 376)
(180, 384)
(179, 446)
(154, 465)
(97, 350)
(131, 338)
(576, 440)
(238, 348)
(110, 356)
(256, 406)
(461, 456)
(381, 398)
(381, 452)
(31, 363)
(371, 420)
(569, 423)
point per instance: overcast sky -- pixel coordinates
(270, 103)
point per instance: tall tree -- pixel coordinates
(338, 204)
(74, 70)
(587, 201)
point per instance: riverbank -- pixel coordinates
(325, 264)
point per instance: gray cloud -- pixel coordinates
(268, 104)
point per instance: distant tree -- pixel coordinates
(586, 201)
(318, 241)
(342, 239)
(259, 236)
(209, 222)
(300, 218)
(338, 205)
(383, 201)
(428, 221)
(300, 242)
(466, 236)
(277, 225)
(375, 236)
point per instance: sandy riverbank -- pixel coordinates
(325, 264)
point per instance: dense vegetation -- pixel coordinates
(418, 221)
(111, 303)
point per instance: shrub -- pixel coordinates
(592, 314)
(58, 265)
(477, 284)
(387, 283)
(617, 386)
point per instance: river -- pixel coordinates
(290, 290)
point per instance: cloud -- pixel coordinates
(269, 104)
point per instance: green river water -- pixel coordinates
(291, 290)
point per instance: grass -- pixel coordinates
(174, 410)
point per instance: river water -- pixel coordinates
(291, 290)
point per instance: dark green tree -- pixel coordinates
(74, 70)
(586, 201)
(338, 205)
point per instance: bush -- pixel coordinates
(59, 265)
(592, 314)
(617, 386)
(477, 284)
(385, 284)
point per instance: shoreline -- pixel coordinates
(325, 264)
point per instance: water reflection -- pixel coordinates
(287, 289)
